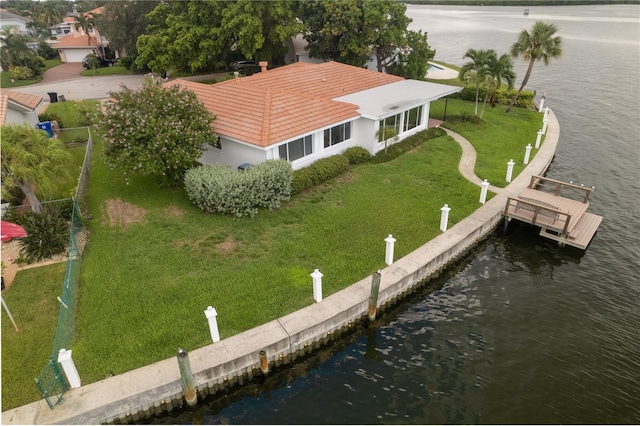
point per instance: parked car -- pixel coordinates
(238, 65)
(102, 62)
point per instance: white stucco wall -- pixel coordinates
(233, 154)
(17, 117)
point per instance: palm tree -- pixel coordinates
(498, 69)
(31, 159)
(476, 69)
(85, 22)
(539, 44)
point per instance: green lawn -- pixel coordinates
(5, 76)
(114, 70)
(155, 262)
(498, 138)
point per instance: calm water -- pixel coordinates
(522, 331)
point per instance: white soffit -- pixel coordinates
(385, 100)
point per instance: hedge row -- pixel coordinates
(330, 167)
(502, 96)
(218, 189)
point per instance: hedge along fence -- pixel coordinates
(502, 96)
(218, 189)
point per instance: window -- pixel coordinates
(297, 149)
(337, 134)
(412, 118)
(392, 122)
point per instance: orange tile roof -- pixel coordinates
(24, 99)
(270, 107)
(71, 41)
(262, 116)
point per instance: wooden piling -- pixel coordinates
(373, 298)
(188, 381)
(264, 363)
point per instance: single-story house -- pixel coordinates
(19, 108)
(303, 112)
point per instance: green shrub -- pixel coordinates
(47, 234)
(20, 73)
(502, 96)
(397, 149)
(357, 155)
(318, 172)
(50, 116)
(127, 61)
(218, 189)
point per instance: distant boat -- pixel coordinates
(526, 11)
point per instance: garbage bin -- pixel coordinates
(46, 126)
(53, 97)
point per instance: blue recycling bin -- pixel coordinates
(46, 126)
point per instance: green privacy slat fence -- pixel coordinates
(51, 382)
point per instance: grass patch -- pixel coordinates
(498, 138)
(155, 262)
(5, 76)
(114, 70)
(31, 299)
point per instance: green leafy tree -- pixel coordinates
(50, 12)
(194, 35)
(16, 52)
(413, 61)
(46, 51)
(385, 23)
(335, 31)
(499, 69)
(475, 71)
(155, 130)
(122, 22)
(30, 161)
(538, 44)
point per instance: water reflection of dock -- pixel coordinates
(560, 218)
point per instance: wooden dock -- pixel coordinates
(561, 218)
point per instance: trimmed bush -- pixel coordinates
(357, 155)
(320, 171)
(47, 235)
(397, 149)
(21, 73)
(50, 116)
(218, 189)
(502, 96)
(127, 61)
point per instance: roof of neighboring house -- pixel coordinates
(24, 100)
(70, 41)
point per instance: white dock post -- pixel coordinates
(388, 256)
(546, 113)
(541, 104)
(538, 138)
(544, 125)
(527, 153)
(317, 285)
(510, 165)
(483, 191)
(69, 367)
(211, 315)
(444, 217)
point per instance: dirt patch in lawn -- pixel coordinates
(174, 211)
(123, 214)
(229, 245)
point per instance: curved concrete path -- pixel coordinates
(143, 389)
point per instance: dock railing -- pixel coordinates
(537, 213)
(556, 186)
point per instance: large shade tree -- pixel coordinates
(155, 130)
(195, 35)
(538, 44)
(31, 161)
(413, 60)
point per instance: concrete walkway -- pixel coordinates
(154, 388)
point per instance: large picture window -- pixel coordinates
(337, 134)
(392, 122)
(297, 149)
(412, 118)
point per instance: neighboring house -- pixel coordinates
(63, 28)
(75, 46)
(303, 112)
(19, 108)
(17, 22)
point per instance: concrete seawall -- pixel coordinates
(157, 388)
